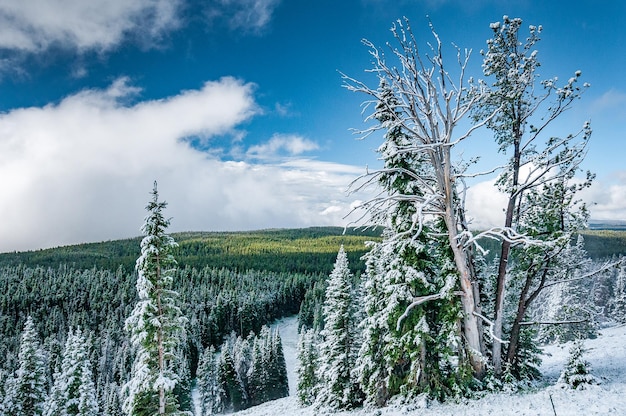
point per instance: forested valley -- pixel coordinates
(229, 283)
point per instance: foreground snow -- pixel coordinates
(607, 355)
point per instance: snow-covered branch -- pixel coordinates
(491, 325)
(607, 266)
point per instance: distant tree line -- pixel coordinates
(307, 250)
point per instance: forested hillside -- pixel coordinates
(307, 250)
(228, 282)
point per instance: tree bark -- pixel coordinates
(496, 349)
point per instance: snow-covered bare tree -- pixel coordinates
(156, 324)
(338, 349)
(409, 346)
(424, 100)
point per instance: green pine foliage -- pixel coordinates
(306, 250)
(156, 324)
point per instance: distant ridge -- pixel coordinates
(607, 224)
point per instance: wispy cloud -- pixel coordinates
(611, 101)
(80, 170)
(282, 145)
(249, 16)
(34, 26)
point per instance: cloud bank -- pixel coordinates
(81, 170)
(36, 25)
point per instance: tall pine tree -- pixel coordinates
(156, 324)
(208, 383)
(339, 389)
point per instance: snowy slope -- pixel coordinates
(607, 355)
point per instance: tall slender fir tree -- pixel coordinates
(156, 324)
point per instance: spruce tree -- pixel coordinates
(619, 301)
(156, 324)
(577, 371)
(87, 403)
(257, 374)
(208, 383)
(412, 315)
(339, 389)
(308, 359)
(73, 392)
(278, 384)
(231, 388)
(30, 383)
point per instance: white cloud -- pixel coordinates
(606, 197)
(485, 205)
(81, 170)
(293, 145)
(606, 200)
(35, 25)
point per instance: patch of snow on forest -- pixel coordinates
(606, 354)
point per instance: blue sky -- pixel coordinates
(237, 108)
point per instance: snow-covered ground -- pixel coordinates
(607, 355)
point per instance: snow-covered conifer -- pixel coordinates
(233, 395)
(308, 362)
(74, 391)
(619, 302)
(112, 403)
(338, 387)
(156, 324)
(87, 403)
(577, 371)
(278, 383)
(412, 314)
(30, 384)
(242, 357)
(208, 383)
